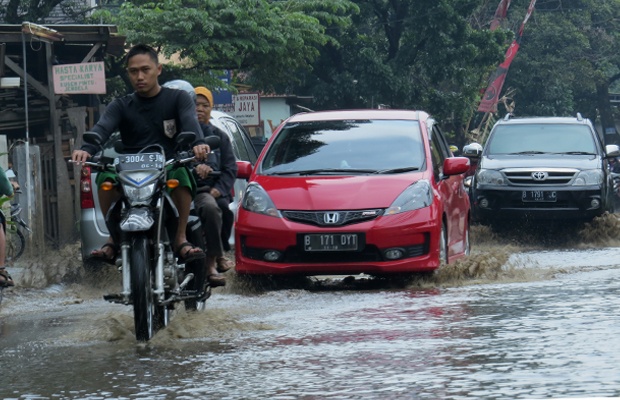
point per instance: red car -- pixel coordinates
(349, 192)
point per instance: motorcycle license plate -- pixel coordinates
(542, 196)
(332, 241)
(130, 162)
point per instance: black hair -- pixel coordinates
(142, 49)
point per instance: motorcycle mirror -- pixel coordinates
(185, 138)
(214, 142)
(93, 138)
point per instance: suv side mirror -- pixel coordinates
(612, 150)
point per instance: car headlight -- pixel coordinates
(256, 199)
(589, 177)
(416, 196)
(490, 177)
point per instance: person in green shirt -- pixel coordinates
(7, 188)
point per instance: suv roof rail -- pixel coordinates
(508, 116)
(579, 117)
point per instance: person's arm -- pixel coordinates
(228, 166)
(107, 124)
(6, 189)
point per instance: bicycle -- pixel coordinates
(15, 238)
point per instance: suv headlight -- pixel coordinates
(589, 177)
(416, 196)
(490, 177)
(256, 199)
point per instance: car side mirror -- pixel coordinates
(612, 150)
(455, 166)
(244, 170)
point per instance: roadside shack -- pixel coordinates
(49, 80)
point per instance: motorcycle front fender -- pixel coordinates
(137, 220)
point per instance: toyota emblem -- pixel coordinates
(539, 175)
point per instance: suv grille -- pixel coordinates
(332, 218)
(540, 176)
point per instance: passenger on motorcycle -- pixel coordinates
(214, 193)
(150, 115)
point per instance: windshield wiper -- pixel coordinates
(585, 153)
(396, 170)
(530, 152)
(325, 170)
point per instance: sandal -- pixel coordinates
(224, 264)
(5, 278)
(216, 280)
(192, 253)
(102, 255)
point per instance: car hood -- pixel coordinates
(335, 193)
(540, 161)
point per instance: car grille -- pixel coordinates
(332, 218)
(553, 176)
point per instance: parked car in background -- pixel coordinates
(350, 192)
(543, 168)
(93, 230)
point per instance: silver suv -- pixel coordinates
(93, 230)
(543, 168)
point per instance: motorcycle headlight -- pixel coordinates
(589, 177)
(139, 186)
(490, 177)
(416, 196)
(139, 194)
(256, 199)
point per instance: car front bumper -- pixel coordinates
(415, 233)
(539, 203)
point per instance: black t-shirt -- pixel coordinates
(149, 120)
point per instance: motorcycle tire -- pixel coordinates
(15, 244)
(147, 319)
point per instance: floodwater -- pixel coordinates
(527, 316)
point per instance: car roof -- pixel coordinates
(543, 120)
(336, 115)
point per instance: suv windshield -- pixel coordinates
(541, 138)
(352, 146)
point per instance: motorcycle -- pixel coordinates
(144, 222)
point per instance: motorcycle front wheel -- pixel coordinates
(146, 313)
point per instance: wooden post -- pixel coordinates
(67, 231)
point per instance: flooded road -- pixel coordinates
(522, 318)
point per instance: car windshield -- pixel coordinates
(541, 138)
(350, 147)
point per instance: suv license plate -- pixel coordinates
(539, 196)
(331, 242)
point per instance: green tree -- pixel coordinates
(38, 11)
(569, 59)
(427, 55)
(266, 40)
